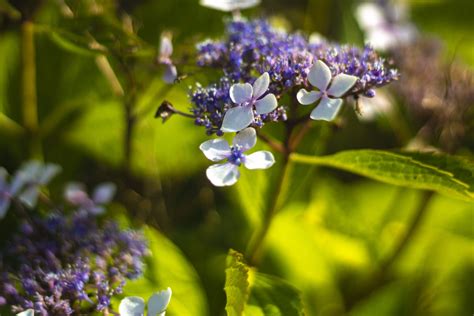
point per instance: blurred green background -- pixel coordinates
(330, 241)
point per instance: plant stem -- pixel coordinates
(272, 143)
(130, 121)
(29, 96)
(253, 252)
(382, 275)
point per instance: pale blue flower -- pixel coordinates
(25, 184)
(32, 176)
(28, 312)
(227, 173)
(76, 194)
(166, 50)
(329, 92)
(248, 98)
(386, 25)
(229, 5)
(135, 306)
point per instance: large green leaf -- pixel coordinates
(167, 266)
(450, 175)
(251, 293)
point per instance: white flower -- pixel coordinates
(229, 5)
(28, 312)
(227, 173)
(135, 306)
(248, 97)
(320, 76)
(385, 32)
(166, 50)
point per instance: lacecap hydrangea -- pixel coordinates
(252, 48)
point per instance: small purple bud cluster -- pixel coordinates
(236, 156)
(65, 265)
(251, 48)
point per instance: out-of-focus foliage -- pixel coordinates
(343, 244)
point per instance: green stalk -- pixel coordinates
(380, 277)
(253, 252)
(29, 96)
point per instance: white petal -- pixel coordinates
(341, 84)
(327, 109)
(236, 119)
(223, 175)
(320, 75)
(166, 46)
(370, 15)
(304, 97)
(246, 138)
(158, 302)
(132, 306)
(170, 74)
(259, 160)
(266, 104)
(75, 193)
(215, 149)
(29, 196)
(104, 193)
(28, 312)
(4, 205)
(241, 92)
(229, 5)
(49, 171)
(260, 86)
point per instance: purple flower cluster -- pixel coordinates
(251, 48)
(211, 103)
(64, 265)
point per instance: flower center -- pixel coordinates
(236, 156)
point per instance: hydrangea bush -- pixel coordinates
(264, 107)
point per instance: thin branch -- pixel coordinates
(297, 138)
(272, 143)
(380, 277)
(29, 94)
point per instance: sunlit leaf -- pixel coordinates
(236, 284)
(168, 267)
(449, 175)
(252, 293)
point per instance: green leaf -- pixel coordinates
(236, 284)
(449, 175)
(271, 296)
(251, 293)
(167, 266)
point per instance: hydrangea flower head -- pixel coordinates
(227, 173)
(248, 98)
(330, 91)
(254, 46)
(135, 306)
(63, 261)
